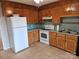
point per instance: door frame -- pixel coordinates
(1, 41)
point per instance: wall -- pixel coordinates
(3, 29)
(31, 12)
(58, 9)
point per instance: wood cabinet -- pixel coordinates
(35, 15)
(58, 9)
(60, 43)
(52, 39)
(66, 42)
(33, 36)
(61, 40)
(44, 13)
(71, 43)
(31, 12)
(36, 35)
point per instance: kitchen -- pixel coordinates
(35, 22)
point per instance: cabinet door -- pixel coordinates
(35, 16)
(54, 42)
(36, 35)
(31, 16)
(60, 42)
(52, 39)
(30, 36)
(71, 42)
(40, 16)
(71, 46)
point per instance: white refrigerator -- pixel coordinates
(17, 32)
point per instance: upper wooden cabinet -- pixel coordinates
(58, 9)
(44, 13)
(31, 12)
(69, 1)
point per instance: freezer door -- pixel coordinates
(20, 39)
(18, 22)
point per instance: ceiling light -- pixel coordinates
(38, 1)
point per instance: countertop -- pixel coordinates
(29, 30)
(61, 32)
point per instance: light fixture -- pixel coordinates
(38, 1)
(71, 8)
(9, 12)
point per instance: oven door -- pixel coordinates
(43, 36)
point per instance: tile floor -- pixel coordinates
(38, 51)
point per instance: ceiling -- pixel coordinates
(31, 2)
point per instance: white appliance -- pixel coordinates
(57, 27)
(44, 36)
(17, 31)
(49, 26)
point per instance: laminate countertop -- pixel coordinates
(61, 32)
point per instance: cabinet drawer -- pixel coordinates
(74, 40)
(71, 37)
(61, 35)
(53, 33)
(52, 37)
(60, 38)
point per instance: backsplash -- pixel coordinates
(32, 26)
(35, 26)
(41, 26)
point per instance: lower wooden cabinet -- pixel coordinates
(53, 42)
(33, 36)
(71, 43)
(30, 37)
(36, 35)
(52, 39)
(70, 46)
(66, 42)
(60, 42)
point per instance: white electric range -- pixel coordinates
(44, 36)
